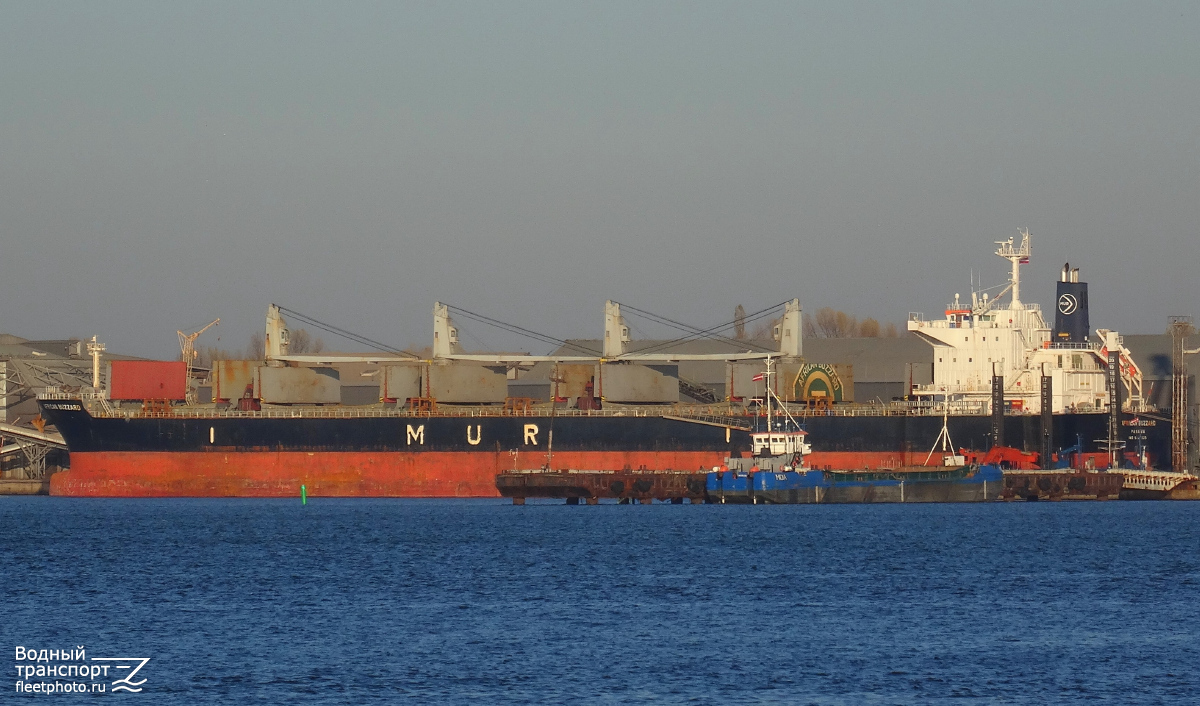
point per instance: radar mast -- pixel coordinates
(1017, 256)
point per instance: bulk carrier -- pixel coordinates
(1000, 374)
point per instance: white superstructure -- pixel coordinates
(984, 337)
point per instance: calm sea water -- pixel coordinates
(357, 601)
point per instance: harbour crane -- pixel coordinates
(187, 345)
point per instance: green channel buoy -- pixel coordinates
(303, 495)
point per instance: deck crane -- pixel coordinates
(187, 345)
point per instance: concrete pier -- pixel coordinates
(25, 486)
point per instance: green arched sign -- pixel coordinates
(816, 380)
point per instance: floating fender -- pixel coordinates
(642, 486)
(617, 487)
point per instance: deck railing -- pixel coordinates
(734, 416)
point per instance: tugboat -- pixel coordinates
(776, 471)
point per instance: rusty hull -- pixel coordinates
(626, 485)
(1061, 485)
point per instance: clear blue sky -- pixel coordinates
(168, 163)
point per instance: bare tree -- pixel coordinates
(810, 329)
(847, 325)
(257, 348)
(765, 330)
(301, 343)
(832, 323)
(827, 325)
(205, 357)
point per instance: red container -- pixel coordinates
(147, 380)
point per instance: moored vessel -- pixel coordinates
(777, 472)
(918, 484)
(363, 452)
(425, 438)
(1146, 484)
(1069, 484)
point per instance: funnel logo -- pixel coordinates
(1068, 304)
(126, 668)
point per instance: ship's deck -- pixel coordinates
(724, 415)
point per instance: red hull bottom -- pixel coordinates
(428, 474)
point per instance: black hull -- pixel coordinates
(1024, 432)
(839, 441)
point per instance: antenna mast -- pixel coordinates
(770, 412)
(943, 436)
(1017, 256)
(95, 349)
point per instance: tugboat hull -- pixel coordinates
(924, 485)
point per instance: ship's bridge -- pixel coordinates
(969, 346)
(1029, 316)
(780, 443)
(969, 350)
(981, 338)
